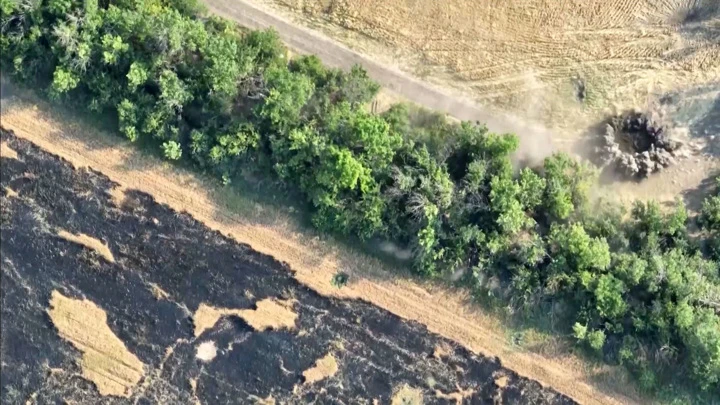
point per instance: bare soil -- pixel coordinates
(314, 262)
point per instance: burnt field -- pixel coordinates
(123, 300)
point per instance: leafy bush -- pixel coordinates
(637, 291)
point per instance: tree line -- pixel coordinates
(637, 287)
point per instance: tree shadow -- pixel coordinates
(694, 197)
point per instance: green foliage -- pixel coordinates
(710, 215)
(578, 250)
(567, 184)
(609, 297)
(172, 150)
(641, 291)
(63, 81)
(340, 279)
(137, 76)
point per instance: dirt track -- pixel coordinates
(273, 231)
(555, 61)
(130, 325)
(536, 140)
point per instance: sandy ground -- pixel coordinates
(314, 262)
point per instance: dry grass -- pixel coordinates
(407, 395)
(270, 314)
(10, 192)
(324, 367)
(105, 359)
(501, 381)
(158, 292)
(89, 242)
(262, 401)
(444, 311)
(459, 395)
(7, 152)
(523, 55)
(442, 350)
(206, 317)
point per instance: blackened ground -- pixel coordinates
(377, 352)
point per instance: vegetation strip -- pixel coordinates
(635, 289)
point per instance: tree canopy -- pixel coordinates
(634, 288)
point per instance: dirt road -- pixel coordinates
(156, 317)
(272, 231)
(536, 140)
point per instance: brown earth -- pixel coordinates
(271, 231)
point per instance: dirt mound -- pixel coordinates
(636, 145)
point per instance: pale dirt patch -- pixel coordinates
(105, 359)
(10, 192)
(459, 395)
(444, 311)
(442, 350)
(501, 381)
(670, 184)
(206, 351)
(324, 367)
(270, 314)
(89, 242)
(7, 152)
(158, 292)
(407, 395)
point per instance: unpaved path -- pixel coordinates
(264, 338)
(313, 262)
(531, 56)
(536, 140)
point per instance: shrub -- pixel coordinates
(636, 289)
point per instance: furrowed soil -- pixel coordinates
(535, 57)
(549, 71)
(79, 328)
(177, 266)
